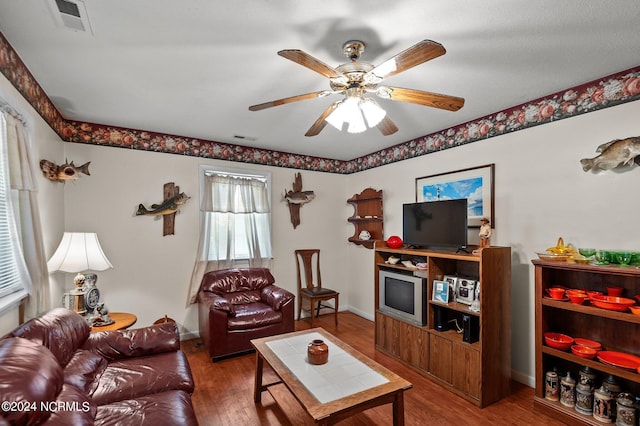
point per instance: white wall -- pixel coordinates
(541, 194)
(151, 272)
(50, 197)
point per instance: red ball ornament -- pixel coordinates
(394, 241)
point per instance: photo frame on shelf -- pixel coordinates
(440, 291)
(476, 184)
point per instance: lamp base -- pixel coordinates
(78, 301)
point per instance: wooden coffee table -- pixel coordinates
(347, 384)
(121, 321)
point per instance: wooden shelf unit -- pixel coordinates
(616, 331)
(479, 372)
(367, 216)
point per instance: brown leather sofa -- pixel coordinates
(237, 305)
(53, 371)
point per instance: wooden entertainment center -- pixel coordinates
(480, 371)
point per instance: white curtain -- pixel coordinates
(22, 170)
(235, 226)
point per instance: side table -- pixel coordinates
(122, 320)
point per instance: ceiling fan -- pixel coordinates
(356, 79)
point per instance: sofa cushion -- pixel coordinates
(72, 407)
(29, 374)
(253, 315)
(119, 344)
(61, 330)
(84, 369)
(167, 408)
(131, 378)
(237, 279)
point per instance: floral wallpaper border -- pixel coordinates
(608, 91)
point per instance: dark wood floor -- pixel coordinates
(224, 390)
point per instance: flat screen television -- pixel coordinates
(403, 296)
(435, 224)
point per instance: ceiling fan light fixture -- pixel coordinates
(372, 112)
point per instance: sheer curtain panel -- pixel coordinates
(22, 215)
(235, 227)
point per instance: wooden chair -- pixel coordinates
(311, 288)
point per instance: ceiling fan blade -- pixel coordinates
(283, 101)
(415, 55)
(306, 60)
(386, 126)
(321, 122)
(436, 100)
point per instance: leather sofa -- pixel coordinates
(237, 305)
(54, 371)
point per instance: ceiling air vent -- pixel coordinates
(71, 14)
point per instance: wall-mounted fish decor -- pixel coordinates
(296, 199)
(63, 172)
(173, 199)
(614, 154)
(168, 206)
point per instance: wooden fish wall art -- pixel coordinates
(296, 199)
(173, 199)
(63, 172)
(619, 153)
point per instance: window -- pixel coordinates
(237, 213)
(13, 272)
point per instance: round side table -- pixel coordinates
(122, 320)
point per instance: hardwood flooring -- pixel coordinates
(224, 390)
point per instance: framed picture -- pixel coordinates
(440, 291)
(474, 184)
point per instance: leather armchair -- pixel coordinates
(237, 305)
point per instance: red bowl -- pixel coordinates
(589, 343)
(612, 303)
(558, 341)
(583, 351)
(591, 294)
(577, 299)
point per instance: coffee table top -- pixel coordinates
(347, 379)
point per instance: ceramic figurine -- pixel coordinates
(485, 233)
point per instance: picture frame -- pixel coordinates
(440, 291)
(476, 184)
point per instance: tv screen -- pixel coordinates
(399, 294)
(435, 224)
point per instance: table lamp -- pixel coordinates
(79, 252)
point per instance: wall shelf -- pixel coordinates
(367, 216)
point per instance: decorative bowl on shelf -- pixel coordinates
(554, 257)
(583, 351)
(588, 343)
(635, 310)
(577, 299)
(558, 341)
(593, 293)
(612, 303)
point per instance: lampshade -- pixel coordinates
(77, 252)
(353, 110)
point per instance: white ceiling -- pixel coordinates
(193, 67)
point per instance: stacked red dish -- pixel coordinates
(612, 303)
(558, 341)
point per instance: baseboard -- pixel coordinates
(523, 378)
(189, 335)
(360, 313)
